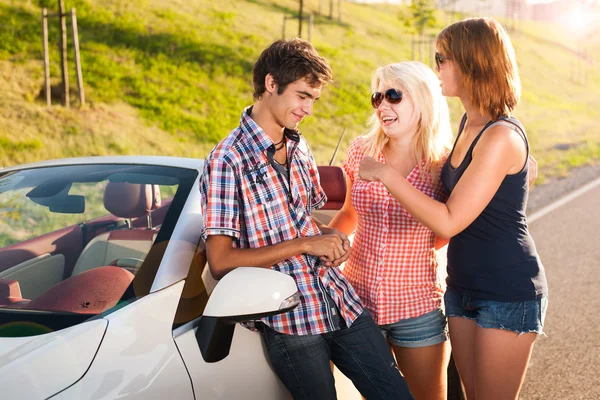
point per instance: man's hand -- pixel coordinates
(345, 242)
(533, 169)
(330, 247)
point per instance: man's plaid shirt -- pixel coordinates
(243, 196)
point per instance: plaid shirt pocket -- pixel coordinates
(264, 207)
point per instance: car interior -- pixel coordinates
(85, 265)
(120, 240)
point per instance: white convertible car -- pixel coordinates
(104, 292)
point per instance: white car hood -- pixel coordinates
(38, 367)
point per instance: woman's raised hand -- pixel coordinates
(371, 169)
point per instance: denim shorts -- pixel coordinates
(520, 316)
(425, 330)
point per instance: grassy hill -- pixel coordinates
(172, 76)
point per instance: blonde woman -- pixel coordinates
(393, 266)
(497, 292)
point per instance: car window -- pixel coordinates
(73, 238)
(21, 218)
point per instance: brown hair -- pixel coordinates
(287, 61)
(486, 59)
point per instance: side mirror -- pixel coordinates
(244, 294)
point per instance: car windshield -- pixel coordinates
(73, 238)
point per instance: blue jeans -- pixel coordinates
(360, 352)
(519, 316)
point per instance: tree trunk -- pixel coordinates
(63, 52)
(300, 20)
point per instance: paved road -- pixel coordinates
(566, 364)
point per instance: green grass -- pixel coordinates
(172, 76)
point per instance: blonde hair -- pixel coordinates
(432, 140)
(486, 59)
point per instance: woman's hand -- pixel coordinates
(371, 169)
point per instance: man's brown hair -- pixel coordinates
(486, 59)
(287, 61)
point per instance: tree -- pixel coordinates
(420, 16)
(300, 20)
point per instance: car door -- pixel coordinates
(245, 373)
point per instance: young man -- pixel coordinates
(259, 188)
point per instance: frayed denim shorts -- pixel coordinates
(520, 316)
(425, 330)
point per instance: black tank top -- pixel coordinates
(495, 258)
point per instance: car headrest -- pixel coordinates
(333, 183)
(128, 200)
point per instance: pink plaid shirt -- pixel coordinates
(243, 196)
(393, 266)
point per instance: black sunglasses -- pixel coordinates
(439, 59)
(392, 96)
